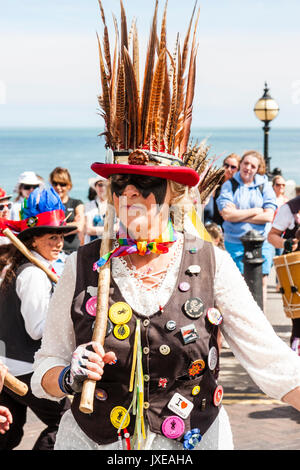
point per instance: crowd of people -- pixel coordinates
(165, 295)
(245, 200)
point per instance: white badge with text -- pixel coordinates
(180, 405)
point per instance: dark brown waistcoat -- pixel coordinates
(173, 366)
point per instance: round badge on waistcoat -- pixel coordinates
(194, 269)
(164, 349)
(121, 331)
(196, 368)
(117, 415)
(173, 427)
(101, 394)
(218, 395)
(109, 327)
(184, 286)
(91, 306)
(212, 358)
(196, 390)
(194, 307)
(214, 316)
(120, 313)
(171, 325)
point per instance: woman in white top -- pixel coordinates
(156, 376)
(95, 210)
(24, 298)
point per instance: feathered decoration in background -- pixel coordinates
(156, 116)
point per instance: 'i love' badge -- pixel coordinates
(180, 405)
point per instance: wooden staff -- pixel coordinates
(8, 233)
(15, 385)
(88, 390)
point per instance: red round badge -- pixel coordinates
(218, 395)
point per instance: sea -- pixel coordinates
(42, 149)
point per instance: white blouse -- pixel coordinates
(34, 289)
(269, 361)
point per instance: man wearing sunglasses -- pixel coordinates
(5, 208)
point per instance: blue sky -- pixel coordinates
(49, 72)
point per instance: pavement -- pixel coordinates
(258, 422)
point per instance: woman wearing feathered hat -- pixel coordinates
(157, 374)
(24, 297)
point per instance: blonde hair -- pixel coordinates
(261, 161)
(235, 156)
(62, 174)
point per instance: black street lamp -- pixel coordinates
(266, 109)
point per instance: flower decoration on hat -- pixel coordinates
(148, 119)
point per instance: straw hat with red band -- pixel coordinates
(43, 212)
(147, 128)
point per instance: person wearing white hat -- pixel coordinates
(94, 211)
(28, 181)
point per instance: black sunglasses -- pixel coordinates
(57, 183)
(232, 167)
(8, 205)
(30, 186)
(145, 184)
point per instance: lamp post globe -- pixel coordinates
(266, 109)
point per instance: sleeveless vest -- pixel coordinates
(172, 366)
(18, 344)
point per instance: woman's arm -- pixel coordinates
(78, 220)
(33, 289)
(270, 362)
(276, 239)
(293, 398)
(85, 364)
(58, 342)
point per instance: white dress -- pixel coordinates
(268, 360)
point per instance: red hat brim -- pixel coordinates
(179, 174)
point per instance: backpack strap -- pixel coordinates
(235, 185)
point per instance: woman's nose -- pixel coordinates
(130, 191)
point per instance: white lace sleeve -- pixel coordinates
(58, 341)
(273, 366)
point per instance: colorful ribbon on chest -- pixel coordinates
(128, 246)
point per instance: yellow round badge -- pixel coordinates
(120, 313)
(196, 390)
(117, 415)
(121, 331)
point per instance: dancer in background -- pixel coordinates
(25, 293)
(169, 293)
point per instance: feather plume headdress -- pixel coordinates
(148, 121)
